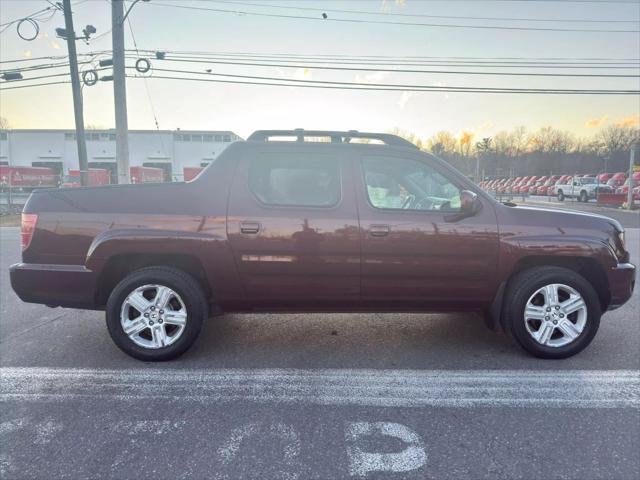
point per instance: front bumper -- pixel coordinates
(54, 285)
(622, 280)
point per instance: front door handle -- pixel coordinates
(379, 230)
(249, 227)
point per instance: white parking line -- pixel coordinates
(383, 388)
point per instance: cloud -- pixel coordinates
(597, 122)
(298, 74)
(384, 6)
(404, 98)
(302, 74)
(483, 127)
(443, 84)
(629, 122)
(374, 77)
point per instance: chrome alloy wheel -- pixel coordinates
(555, 315)
(153, 316)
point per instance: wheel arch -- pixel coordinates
(119, 266)
(587, 267)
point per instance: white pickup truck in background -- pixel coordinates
(582, 188)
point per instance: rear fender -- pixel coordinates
(151, 241)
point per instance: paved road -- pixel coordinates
(314, 396)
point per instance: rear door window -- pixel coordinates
(295, 180)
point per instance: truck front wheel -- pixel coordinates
(560, 196)
(552, 312)
(156, 313)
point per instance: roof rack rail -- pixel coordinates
(335, 136)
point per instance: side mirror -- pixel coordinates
(469, 206)
(469, 203)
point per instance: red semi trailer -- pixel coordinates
(27, 177)
(191, 172)
(97, 176)
(146, 175)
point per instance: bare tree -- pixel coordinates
(484, 146)
(412, 137)
(442, 143)
(466, 144)
(549, 140)
(511, 144)
(614, 139)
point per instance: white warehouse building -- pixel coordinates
(166, 149)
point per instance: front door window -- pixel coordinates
(403, 184)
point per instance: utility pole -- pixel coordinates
(77, 93)
(120, 90)
(630, 177)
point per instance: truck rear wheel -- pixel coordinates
(552, 312)
(156, 313)
(584, 198)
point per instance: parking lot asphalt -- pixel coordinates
(318, 396)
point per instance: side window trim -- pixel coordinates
(263, 154)
(364, 187)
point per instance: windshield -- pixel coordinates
(587, 181)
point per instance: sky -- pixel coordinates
(245, 108)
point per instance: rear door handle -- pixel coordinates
(379, 230)
(249, 227)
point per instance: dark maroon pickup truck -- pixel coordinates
(331, 221)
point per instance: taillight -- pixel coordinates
(28, 227)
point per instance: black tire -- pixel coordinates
(584, 198)
(525, 284)
(181, 283)
(560, 196)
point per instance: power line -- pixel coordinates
(31, 68)
(561, 62)
(51, 75)
(2, 89)
(383, 22)
(418, 15)
(382, 86)
(55, 57)
(367, 87)
(624, 2)
(434, 61)
(431, 89)
(146, 87)
(32, 15)
(382, 65)
(329, 55)
(389, 70)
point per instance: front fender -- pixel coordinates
(516, 248)
(556, 248)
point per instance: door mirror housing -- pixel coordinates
(469, 203)
(469, 206)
